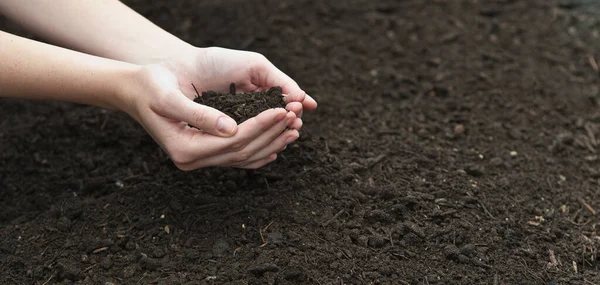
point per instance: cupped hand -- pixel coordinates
(216, 68)
(154, 98)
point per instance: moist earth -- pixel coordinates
(456, 142)
(243, 106)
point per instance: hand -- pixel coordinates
(216, 68)
(154, 98)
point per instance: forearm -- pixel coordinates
(34, 70)
(106, 28)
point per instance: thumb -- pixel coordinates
(205, 118)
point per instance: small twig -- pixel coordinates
(333, 218)
(52, 276)
(197, 93)
(553, 263)
(98, 250)
(267, 227)
(587, 206)
(106, 116)
(486, 210)
(376, 160)
(262, 238)
(593, 63)
(590, 133)
(267, 182)
(90, 268)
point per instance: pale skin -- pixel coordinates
(125, 62)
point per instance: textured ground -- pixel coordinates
(455, 143)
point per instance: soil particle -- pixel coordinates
(63, 224)
(221, 247)
(68, 270)
(475, 170)
(414, 228)
(150, 263)
(263, 268)
(459, 129)
(106, 263)
(376, 241)
(130, 245)
(379, 216)
(561, 142)
(293, 273)
(130, 270)
(158, 252)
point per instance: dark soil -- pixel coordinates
(241, 107)
(456, 142)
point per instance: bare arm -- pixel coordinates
(106, 28)
(34, 70)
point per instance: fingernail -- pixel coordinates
(226, 125)
(290, 140)
(280, 116)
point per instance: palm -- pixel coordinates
(216, 68)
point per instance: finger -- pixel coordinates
(241, 156)
(277, 145)
(267, 74)
(205, 150)
(309, 103)
(294, 97)
(297, 124)
(210, 120)
(261, 163)
(295, 107)
(267, 138)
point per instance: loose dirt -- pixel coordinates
(456, 142)
(243, 106)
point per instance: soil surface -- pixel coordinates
(456, 142)
(243, 106)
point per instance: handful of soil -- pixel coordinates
(243, 106)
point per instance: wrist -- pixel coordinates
(184, 65)
(126, 90)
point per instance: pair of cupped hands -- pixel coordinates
(162, 103)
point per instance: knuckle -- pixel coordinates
(237, 145)
(240, 156)
(199, 117)
(163, 101)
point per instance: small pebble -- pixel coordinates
(459, 129)
(496, 161)
(150, 263)
(475, 170)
